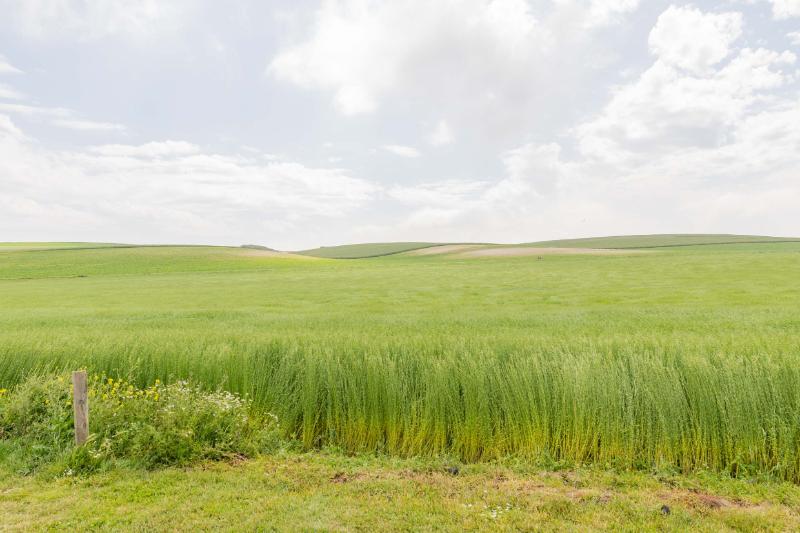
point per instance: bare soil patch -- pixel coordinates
(444, 249)
(251, 252)
(515, 251)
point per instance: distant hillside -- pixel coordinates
(658, 241)
(357, 251)
(25, 246)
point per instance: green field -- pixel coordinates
(360, 251)
(680, 359)
(670, 373)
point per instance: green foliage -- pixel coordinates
(148, 427)
(37, 415)
(675, 360)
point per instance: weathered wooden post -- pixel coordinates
(80, 405)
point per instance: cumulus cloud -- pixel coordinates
(688, 97)
(565, 126)
(784, 9)
(681, 142)
(164, 188)
(794, 37)
(363, 52)
(687, 38)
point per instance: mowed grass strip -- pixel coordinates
(677, 360)
(330, 492)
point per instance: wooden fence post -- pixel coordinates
(80, 405)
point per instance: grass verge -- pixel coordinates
(331, 492)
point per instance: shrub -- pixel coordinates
(160, 425)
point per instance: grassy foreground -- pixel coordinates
(671, 360)
(330, 492)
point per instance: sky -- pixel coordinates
(300, 123)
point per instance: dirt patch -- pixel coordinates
(444, 249)
(527, 251)
(340, 477)
(702, 500)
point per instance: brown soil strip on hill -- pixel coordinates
(444, 249)
(523, 251)
(249, 252)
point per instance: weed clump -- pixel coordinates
(159, 425)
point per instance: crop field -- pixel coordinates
(676, 359)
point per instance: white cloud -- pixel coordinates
(703, 146)
(9, 131)
(530, 168)
(441, 134)
(451, 194)
(165, 188)
(59, 117)
(685, 98)
(88, 125)
(687, 38)
(29, 110)
(9, 93)
(6, 67)
(604, 12)
(150, 150)
(794, 37)
(784, 9)
(564, 126)
(87, 20)
(403, 151)
(362, 51)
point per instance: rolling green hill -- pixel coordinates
(26, 246)
(366, 250)
(658, 241)
(357, 251)
(139, 260)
